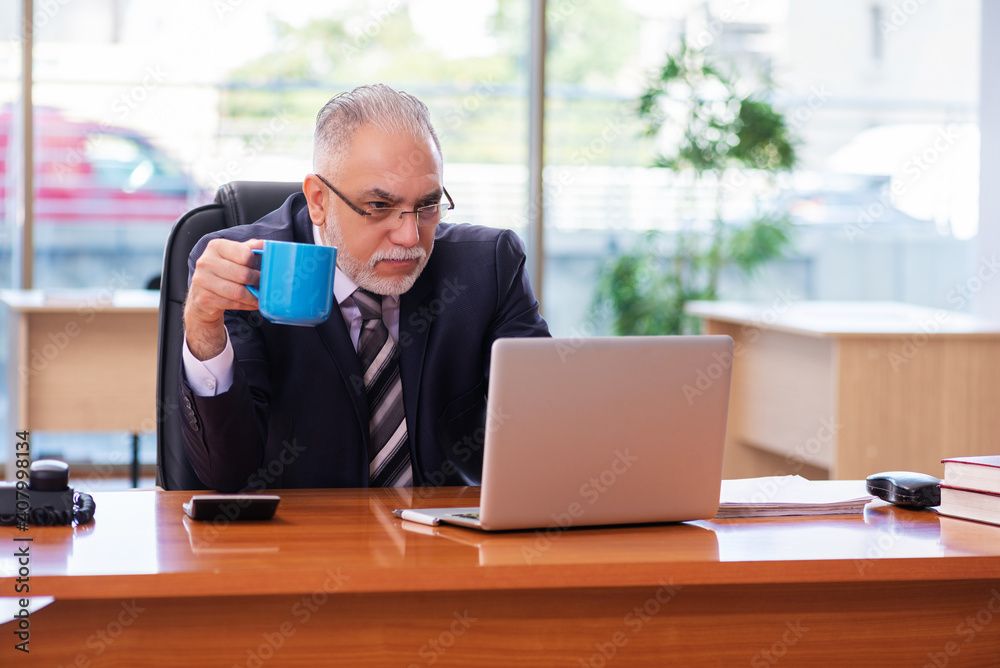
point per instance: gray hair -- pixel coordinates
(391, 111)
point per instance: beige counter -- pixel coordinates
(82, 360)
(846, 389)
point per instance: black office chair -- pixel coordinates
(236, 203)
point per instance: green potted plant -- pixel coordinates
(716, 138)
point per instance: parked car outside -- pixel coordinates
(105, 198)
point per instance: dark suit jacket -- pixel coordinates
(296, 415)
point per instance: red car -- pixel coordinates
(87, 172)
(105, 196)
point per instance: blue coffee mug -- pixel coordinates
(296, 282)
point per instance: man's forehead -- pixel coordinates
(391, 162)
(399, 146)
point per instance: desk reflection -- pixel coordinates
(207, 538)
(967, 538)
(582, 545)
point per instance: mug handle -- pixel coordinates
(251, 288)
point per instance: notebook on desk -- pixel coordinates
(600, 431)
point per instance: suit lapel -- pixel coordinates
(414, 330)
(336, 338)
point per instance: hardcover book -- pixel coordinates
(975, 473)
(969, 504)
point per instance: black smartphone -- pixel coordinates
(231, 507)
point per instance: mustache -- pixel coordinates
(404, 254)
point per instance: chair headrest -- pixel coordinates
(246, 202)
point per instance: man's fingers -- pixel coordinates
(213, 294)
(230, 261)
(220, 278)
(219, 283)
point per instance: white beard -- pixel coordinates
(363, 273)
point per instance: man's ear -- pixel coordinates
(316, 198)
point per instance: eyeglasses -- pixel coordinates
(381, 212)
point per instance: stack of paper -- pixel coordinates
(791, 495)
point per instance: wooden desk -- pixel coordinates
(847, 389)
(82, 360)
(335, 580)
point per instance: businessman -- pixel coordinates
(391, 389)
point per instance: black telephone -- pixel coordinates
(46, 499)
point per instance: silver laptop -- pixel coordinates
(600, 431)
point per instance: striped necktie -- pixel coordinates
(388, 448)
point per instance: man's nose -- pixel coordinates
(406, 233)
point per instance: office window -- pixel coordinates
(884, 199)
(877, 33)
(142, 110)
(10, 63)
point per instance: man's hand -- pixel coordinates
(219, 282)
